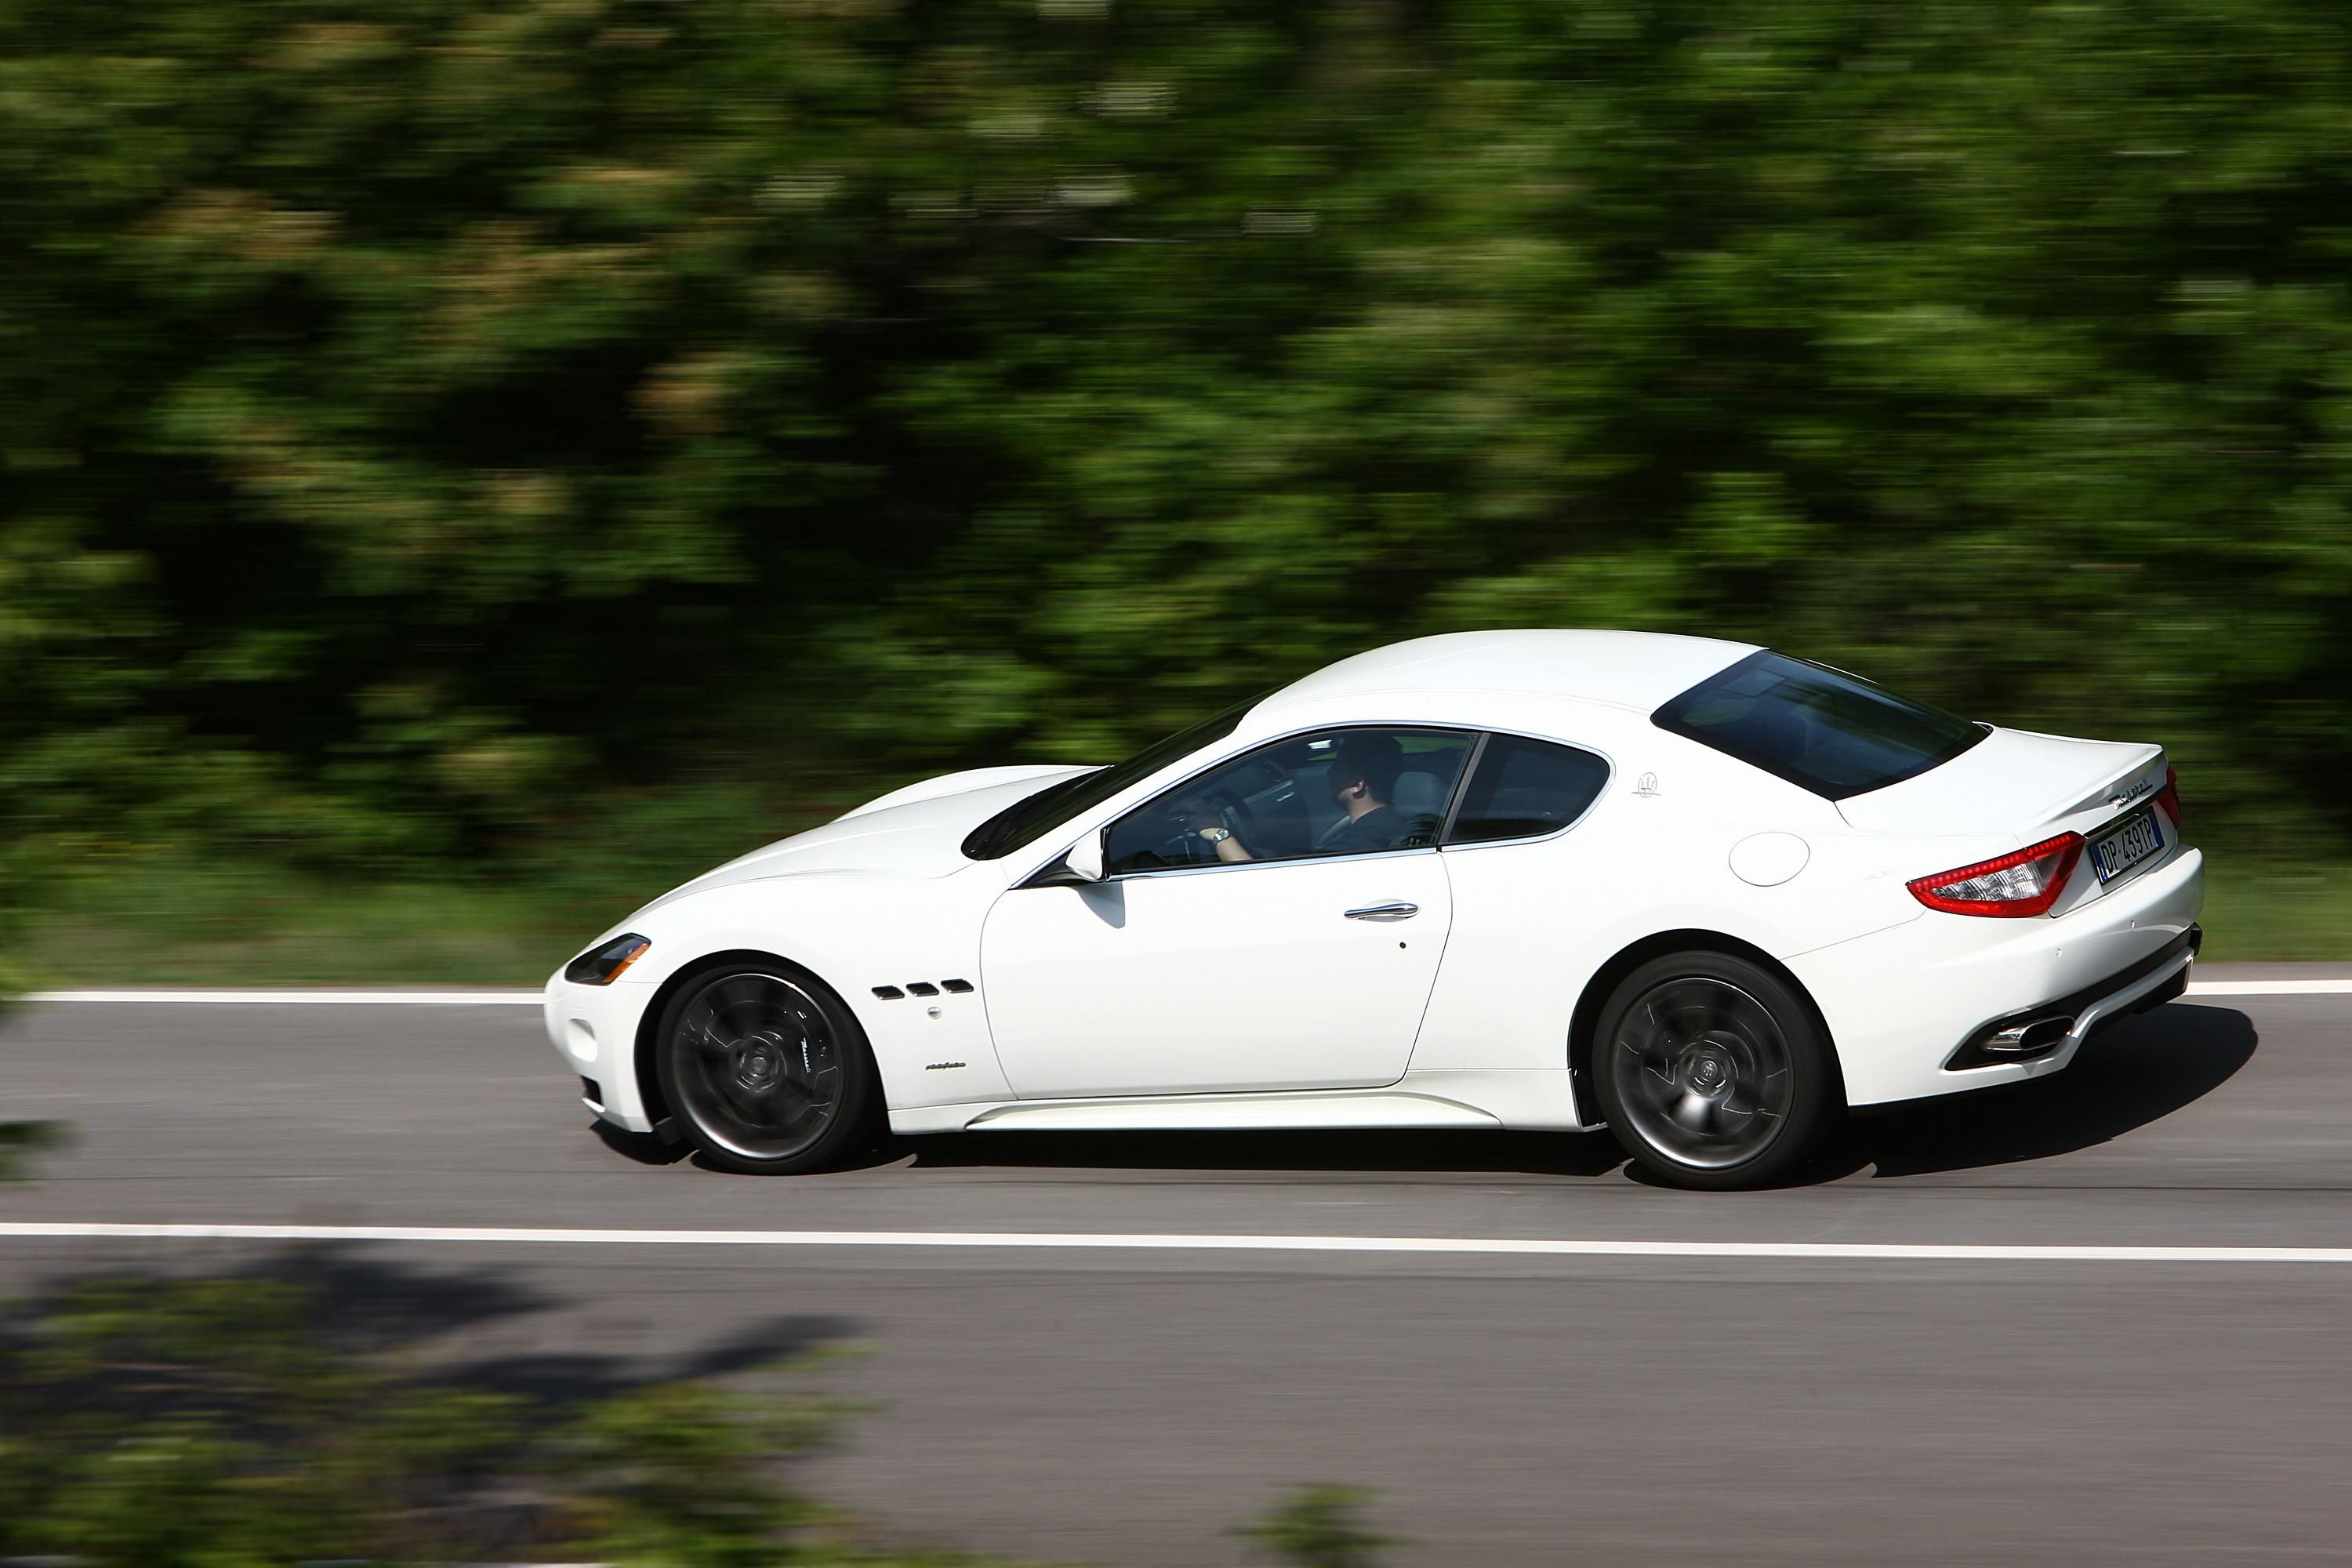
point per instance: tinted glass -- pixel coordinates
(1028, 818)
(1292, 800)
(1832, 733)
(1524, 789)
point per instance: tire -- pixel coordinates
(765, 1070)
(1712, 1072)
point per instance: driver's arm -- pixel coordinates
(1211, 826)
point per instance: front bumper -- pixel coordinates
(593, 1028)
(1901, 1005)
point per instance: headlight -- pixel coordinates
(601, 966)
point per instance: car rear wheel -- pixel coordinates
(764, 1069)
(1712, 1071)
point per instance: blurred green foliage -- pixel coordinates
(22, 1142)
(226, 1423)
(262, 1420)
(423, 422)
(1319, 1525)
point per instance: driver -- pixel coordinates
(1364, 769)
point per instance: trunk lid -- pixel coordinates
(2019, 784)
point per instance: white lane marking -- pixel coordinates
(500, 998)
(320, 999)
(2269, 987)
(1505, 1247)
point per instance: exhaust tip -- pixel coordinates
(2013, 1039)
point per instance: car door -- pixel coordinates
(1306, 965)
(1535, 884)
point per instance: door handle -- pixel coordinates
(1396, 912)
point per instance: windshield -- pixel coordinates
(1030, 817)
(1823, 731)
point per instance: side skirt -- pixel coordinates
(1530, 1100)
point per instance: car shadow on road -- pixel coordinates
(2137, 1073)
(637, 1148)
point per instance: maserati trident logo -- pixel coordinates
(1646, 786)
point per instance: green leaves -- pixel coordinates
(1319, 1526)
(301, 1414)
(442, 410)
(22, 1142)
(221, 1423)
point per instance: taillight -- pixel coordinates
(2024, 883)
(2168, 797)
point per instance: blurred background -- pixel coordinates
(466, 465)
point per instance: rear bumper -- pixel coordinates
(2048, 1027)
(1904, 1006)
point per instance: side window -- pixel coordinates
(1524, 789)
(1337, 792)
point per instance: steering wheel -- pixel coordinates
(1184, 845)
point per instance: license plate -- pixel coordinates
(2126, 843)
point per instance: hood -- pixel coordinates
(963, 782)
(920, 836)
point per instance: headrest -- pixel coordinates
(1419, 793)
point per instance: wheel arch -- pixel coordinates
(642, 1063)
(1584, 1024)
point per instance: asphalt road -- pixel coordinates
(1130, 1407)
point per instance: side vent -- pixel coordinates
(888, 993)
(956, 987)
(923, 988)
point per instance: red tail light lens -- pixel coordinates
(2168, 797)
(2024, 883)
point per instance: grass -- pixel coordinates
(2254, 911)
(223, 929)
(160, 917)
(170, 923)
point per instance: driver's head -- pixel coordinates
(1368, 763)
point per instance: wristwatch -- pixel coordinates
(1216, 834)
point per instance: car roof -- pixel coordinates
(1632, 669)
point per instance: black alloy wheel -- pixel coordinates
(1712, 1071)
(764, 1069)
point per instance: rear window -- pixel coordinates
(1524, 789)
(1830, 732)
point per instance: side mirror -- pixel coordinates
(1086, 857)
(1080, 868)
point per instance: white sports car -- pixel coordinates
(1706, 895)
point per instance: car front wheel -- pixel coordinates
(765, 1070)
(1712, 1071)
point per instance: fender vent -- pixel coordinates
(955, 987)
(888, 993)
(923, 988)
